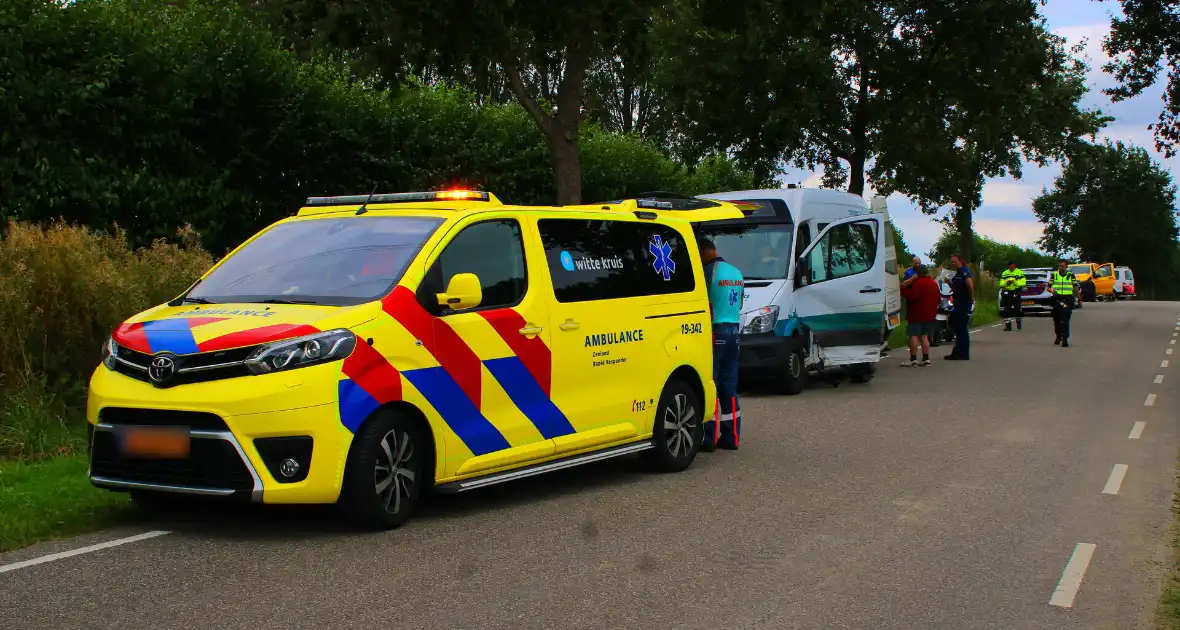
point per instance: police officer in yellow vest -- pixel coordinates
(1011, 286)
(1061, 285)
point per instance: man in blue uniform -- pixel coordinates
(726, 296)
(963, 293)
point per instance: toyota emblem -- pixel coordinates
(162, 368)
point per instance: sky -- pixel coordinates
(1006, 214)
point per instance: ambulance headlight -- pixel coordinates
(110, 353)
(760, 321)
(289, 354)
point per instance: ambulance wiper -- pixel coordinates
(193, 300)
(277, 301)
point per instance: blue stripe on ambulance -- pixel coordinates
(456, 409)
(170, 335)
(355, 404)
(528, 396)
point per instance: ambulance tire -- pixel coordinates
(862, 372)
(678, 430)
(793, 377)
(385, 471)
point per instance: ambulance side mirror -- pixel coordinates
(463, 292)
(801, 271)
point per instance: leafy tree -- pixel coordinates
(994, 253)
(904, 95)
(544, 52)
(1141, 43)
(1113, 203)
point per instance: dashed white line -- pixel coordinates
(1164, 363)
(1159, 378)
(1071, 577)
(1137, 430)
(1169, 351)
(1150, 402)
(1115, 481)
(77, 552)
(1172, 342)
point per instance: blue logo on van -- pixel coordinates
(662, 253)
(567, 261)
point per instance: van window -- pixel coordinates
(1103, 272)
(845, 250)
(760, 250)
(494, 252)
(804, 239)
(1130, 276)
(607, 260)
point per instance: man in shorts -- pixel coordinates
(922, 300)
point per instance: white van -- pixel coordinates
(1124, 283)
(822, 287)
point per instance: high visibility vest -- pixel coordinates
(1063, 284)
(1012, 280)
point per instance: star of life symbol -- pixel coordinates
(662, 252)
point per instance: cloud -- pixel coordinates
(1005, 192)
(1018, 232)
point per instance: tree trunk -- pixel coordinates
(966, 233)
(859, 130)
(567, 166)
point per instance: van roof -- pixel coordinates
(799, 200)
(646, 206)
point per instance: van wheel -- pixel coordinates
(862, 372)
(385, 471)
(793, 377)
(678, 430)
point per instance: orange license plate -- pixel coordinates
(155, 442)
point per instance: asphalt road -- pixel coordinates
(944, 497)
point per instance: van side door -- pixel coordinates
(840, 282)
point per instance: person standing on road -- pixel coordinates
(913, 270)
(963, 293)
(726, 297)
(1012, 283)
(1062, 287)
(922, 300)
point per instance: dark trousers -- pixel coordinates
(1062, 310)
(1010, 305)
(726, 346)
(959, 319)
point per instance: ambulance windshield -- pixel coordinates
(334, 262)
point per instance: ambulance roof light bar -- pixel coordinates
(439, 195)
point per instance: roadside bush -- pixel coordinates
(63, 289)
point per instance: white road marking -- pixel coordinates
(1150, 402)
(1164, 363)
(996, 325)
(1172, 342)
(1115, 481)
(1071, 577)
(1169, 351)
(1159, 378)
(77, 552)
(1137, 430)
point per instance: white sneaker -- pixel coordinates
(913, 363)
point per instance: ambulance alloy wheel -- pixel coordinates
(384, 476)
(677, 432)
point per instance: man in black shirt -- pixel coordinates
(963, 295)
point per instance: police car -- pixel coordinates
(373, 347)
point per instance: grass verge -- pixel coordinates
(1168, 611)
(52, 498)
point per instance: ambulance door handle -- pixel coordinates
(530, 330)
(569, 324)
(870, 290)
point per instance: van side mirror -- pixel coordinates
(463, 292)
(800, 271)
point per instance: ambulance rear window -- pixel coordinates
(606, 260)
